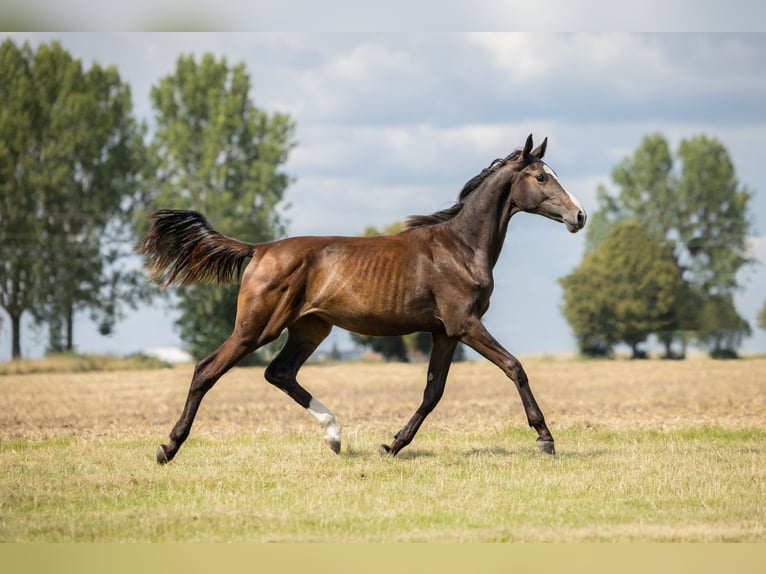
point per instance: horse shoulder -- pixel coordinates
(462, 284)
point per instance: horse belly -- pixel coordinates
(378, 325)
(375, 296)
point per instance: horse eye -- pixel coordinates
(540, 177)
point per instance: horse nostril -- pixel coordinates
(581, 218)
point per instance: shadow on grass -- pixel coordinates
(490, 451)
(533, 452)
(595, 453)
(414, 454)
(356, 453)
(409, 454)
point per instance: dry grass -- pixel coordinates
(76, 363)
(605, 395)
(647, 451)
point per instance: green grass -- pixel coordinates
(705, 484)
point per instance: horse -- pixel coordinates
(434, 276)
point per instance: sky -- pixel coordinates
(394, 123)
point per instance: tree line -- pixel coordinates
(662, 254)
(79, 176)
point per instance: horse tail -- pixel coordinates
(182, 247)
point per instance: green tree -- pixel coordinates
(70, 153)
(713, 223)
(644, 179)
(218, 154)
(587, 307)
(699, 209)
(391, 348)
(721, 327)
(21, 271)
(626, 289)
(762, 317)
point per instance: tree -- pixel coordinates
(21, 271)
(721, 327)
(69, 167)
(762, 317)
(700, 210)
(713, 224)
(626, 289)
(644, 179)
(391, 348)
(587, 309)
(218, 154)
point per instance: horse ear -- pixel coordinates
(527, 147)
(540, 151)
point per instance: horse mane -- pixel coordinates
(470, 186)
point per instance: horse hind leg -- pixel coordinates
(206, 374)
(303, 337)
(253, 329)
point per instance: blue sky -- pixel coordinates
(392, 124)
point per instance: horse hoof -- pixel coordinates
(162, 455)
(385, 450)
(546, 446)
(334, 444)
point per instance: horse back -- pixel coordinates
(371, 285)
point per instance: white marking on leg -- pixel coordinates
(325, 417)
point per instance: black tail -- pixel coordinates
(182, 247)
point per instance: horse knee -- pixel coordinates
(202, 379)
(516, 373)
(284, 379)
(277, 375)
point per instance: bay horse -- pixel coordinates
(434, 276)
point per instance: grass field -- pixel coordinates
(647, 451)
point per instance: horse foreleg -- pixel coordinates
(479, 339)
(303, 337)
(206, 374)
(438, 368)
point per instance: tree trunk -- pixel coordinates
(69, 329)
(637, 353)
(16, 334)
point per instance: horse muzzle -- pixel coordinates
(576, 223)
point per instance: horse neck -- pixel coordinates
(483, 222)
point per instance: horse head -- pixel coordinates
(537, 189)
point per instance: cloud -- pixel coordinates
(347, 205)
(405, 153)
(598, 77)
(357, 176)
(500, 78)
(447, 79)
(391, 16)
(352, 82)
(605, 15)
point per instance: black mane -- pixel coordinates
(470, 186)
